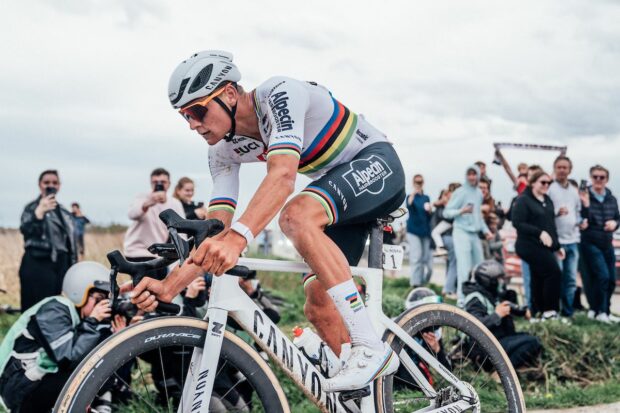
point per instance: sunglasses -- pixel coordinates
(418, 182)
(545, 183)
(197, 109)
(49, 183)
(599, 177)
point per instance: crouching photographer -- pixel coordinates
(495, 307)
(430, 338)
(47, 341)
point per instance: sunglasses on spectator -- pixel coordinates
(197, 109)
(545, 183)
(418, 182)
(45, 183)
(599, 177)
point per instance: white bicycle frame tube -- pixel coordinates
(227, 298)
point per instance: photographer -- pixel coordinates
(49, 242)
(495, 309)
(147, 228)
(47, 342)
(184, 192)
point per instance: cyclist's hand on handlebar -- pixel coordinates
(218, 255)
(147, 292)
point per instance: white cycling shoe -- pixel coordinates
(363, 367)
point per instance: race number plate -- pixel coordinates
(392, 257)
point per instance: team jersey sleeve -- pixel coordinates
(225, 176)
(287, 102)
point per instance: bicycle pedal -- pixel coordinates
(357, 394)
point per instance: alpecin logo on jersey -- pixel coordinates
(279, 108)
(367, 175)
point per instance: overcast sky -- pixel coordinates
(84, 85)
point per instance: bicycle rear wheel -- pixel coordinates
(143, 369)
(474, 356)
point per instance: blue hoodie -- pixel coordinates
(464, 195)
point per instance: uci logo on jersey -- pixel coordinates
(367, 175)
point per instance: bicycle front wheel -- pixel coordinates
(143, 369)
(467, 348)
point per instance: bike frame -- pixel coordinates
(228, 299)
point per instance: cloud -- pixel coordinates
(84, 84)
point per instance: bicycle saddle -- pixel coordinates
(400, 212)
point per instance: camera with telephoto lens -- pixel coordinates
(50, 190)
(517, 310)
(123, 306)
(159, 187)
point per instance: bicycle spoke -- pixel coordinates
(163, 373)
(143, 379)
(137, 394)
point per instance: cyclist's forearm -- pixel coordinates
(224, 216)
(179, 278)
(272, 193)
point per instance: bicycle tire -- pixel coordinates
(416, 319)
(110, 355)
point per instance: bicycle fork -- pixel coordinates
(203, 369)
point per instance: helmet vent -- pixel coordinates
(201, 79)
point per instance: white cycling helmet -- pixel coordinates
(200, 75)
(421, 295)
(82, 277)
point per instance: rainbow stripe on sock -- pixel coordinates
(354, 301)
(383, 367)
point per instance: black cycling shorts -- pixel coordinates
(358, 192)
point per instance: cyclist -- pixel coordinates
(293, 126)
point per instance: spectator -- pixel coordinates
(147, 228)
(600, 209)
(184, 192)
(567, 205)
(483, 171)
(493, 247)
(533, 217)
(488, 203)
(419, 233)
(495, 309)
(442, 237)
(79, 225)
(525, 268)
(49, 242)
(48, 341)
(429, 338)
(464, 208)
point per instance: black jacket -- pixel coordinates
(38, 238)
(597, 214)
(530, 217)
(500, 327)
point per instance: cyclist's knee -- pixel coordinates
(292, 219)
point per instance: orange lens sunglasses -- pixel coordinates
(197, 109)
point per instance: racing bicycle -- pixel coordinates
(220, 371)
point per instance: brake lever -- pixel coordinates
(114, 288)
(180, 245)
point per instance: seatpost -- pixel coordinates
(375, 249)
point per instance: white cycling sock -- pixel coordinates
(356, 319)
